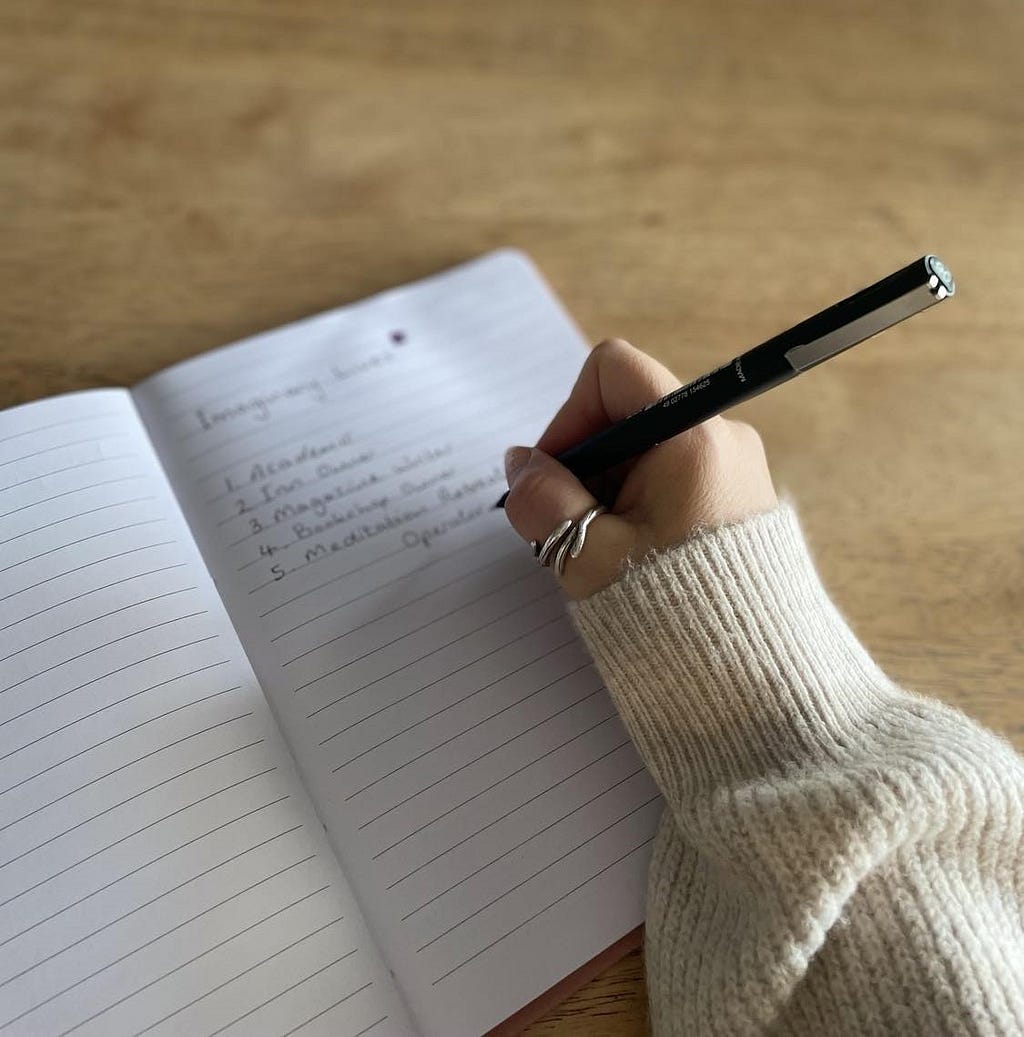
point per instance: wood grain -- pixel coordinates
(692, 176)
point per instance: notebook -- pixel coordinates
(295, 735)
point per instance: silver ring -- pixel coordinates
(566, 540)
(555, 537)
(573, 544)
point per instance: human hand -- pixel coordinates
(708, 476)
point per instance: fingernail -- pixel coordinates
(515, 461)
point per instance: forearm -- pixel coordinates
(802, 788)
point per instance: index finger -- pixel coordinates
(616, 379)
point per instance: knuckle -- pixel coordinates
(612, 345)
(744, 430)
(614, 353)
(748, 438)
(709, 436)
(709, 445)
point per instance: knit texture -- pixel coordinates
(836, 855)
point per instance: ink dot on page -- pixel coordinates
(397, 337)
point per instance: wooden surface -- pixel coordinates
(692, 176)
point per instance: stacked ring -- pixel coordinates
(565, 541)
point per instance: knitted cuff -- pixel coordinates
(727, 659)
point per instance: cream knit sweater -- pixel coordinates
(836, 855)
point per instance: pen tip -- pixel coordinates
(501, 500)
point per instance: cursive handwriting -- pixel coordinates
(260, 407)
(263, 470)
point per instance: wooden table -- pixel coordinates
(693, 176)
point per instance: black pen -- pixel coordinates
(917, 286)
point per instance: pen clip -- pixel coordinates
(939, 285)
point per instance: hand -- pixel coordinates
(711, 475)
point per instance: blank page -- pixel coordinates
(340, 476)
(161, 868)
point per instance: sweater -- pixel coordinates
(836, 855)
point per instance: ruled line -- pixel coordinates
(416, 394)
(337, 327)
(424, 386)
(351, 572)
(361, 1032)
(462, 637)
(307, 486)
(82, 540)
(423, 514)
(458, 734)
(530, 574)
(112, 738)
(540, 871)
(321, 558)
(97, 648)
(483, 756)
(424, 687)
(148, 903)
(397, 579)
(508, 813)
(96, 561)
(333, 424)
(69, 468)
(548, 907)
(483, 791)
(138, 831)
(63, 446)
(95, 590)
(329, 1008)
(80, 514)
(467, 468)
(121, 803)
(95, 619)
(123, 766)
(191, 961)
(166, 932)
(142, 867)
(289, 989)
(117, 702)
(383, 446)
(526, 377)
(60, 424)
(344, 342)
(68, 493)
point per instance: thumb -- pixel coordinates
(542, 494)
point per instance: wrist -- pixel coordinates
(726, 657)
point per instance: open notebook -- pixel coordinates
(295, 736)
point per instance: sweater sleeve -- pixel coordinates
(836, 855)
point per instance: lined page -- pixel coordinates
(340, 475)
(161, 869)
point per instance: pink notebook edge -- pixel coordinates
(540, 1006)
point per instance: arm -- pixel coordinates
(836, 854)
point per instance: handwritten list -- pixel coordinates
(339, 476)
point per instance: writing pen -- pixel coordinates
(917, 286)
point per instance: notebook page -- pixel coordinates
(340, 475)
(161, 868)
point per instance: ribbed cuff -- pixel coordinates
(727, 659)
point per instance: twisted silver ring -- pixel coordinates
(566, 540)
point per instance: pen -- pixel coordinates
(917, 286)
